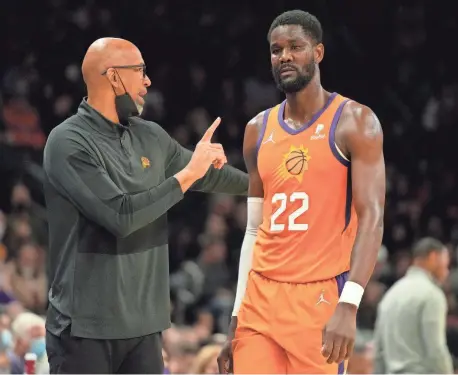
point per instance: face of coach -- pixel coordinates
(431, 255)
(115, 75)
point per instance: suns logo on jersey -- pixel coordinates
(294, 163)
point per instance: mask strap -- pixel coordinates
(122, 83)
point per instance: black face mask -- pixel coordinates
(125, 108)
(125, 105)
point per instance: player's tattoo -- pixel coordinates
(373, 127)
(293, 124)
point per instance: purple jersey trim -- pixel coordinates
(332, 134)
(288, 129)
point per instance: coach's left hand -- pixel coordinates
(339, 334)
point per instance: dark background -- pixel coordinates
(211, 58)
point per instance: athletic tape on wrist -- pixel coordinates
(352, 293)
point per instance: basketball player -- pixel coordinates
(315, 217)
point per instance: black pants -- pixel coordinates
(73, 355)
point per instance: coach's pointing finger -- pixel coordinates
(209, 132)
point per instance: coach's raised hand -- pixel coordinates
(213, 152)
(205, 154)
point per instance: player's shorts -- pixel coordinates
(280, 326)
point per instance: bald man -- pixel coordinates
(110, 179)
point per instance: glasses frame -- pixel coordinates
(127, 67)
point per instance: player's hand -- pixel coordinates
(225, 359)
(225, 363)
(339, 334)
(207, 153)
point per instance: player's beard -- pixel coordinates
(291, 85)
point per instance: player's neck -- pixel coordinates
(302, 105)
(105, 108)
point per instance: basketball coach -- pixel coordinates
(110, 178)
(410, 331)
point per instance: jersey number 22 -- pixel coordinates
(292, 225)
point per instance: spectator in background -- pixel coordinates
(206, 360)
(19, 232)
(5, 297)
(5, 333)
(13, 310)
(212, 262)
(22, 124)
(20, 199)
(361, 362)
(5, 344)
(410, 332)
(4, 361)
(25, 278)
(204, 325)
(205, 278)
(165, 358)
(181, 357)
(367, 311)
(3, 224)
(374, 291)
(420, 108)
(29, 337)
(23, 209)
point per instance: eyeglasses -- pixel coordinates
(137, 66)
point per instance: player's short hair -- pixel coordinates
(308, 22)
(426, 246)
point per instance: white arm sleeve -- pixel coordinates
(254, 220)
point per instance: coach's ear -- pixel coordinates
(113, 78)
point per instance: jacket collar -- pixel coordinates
(99, 122)
(414, 270)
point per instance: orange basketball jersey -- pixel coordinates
(309, 224)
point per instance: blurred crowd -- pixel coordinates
(213, 60)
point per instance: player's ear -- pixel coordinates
(319, 52)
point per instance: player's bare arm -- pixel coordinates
(359, 135)
(363, 141)
(250, 155)
(254, 208)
